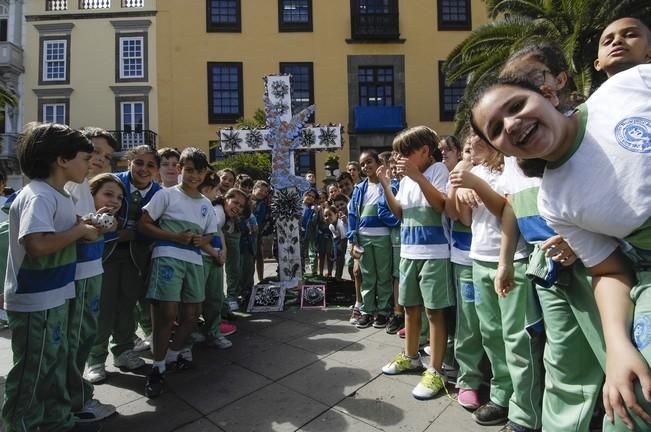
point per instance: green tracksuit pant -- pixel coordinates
(82, 329)
(212, 305)
(517, 381)
(375, 263)
(233, 265)
(641, 332)
(247, 272)
(573, 352)
(468, 349)
(122, 286)
(35, 391)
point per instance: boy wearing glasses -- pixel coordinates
(126, 263)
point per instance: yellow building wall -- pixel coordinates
(185, 48)
(92, 63)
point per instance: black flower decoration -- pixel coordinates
(279, 89)
(328, 136)
(231, 140)
(307, 138)
(280, 108)
(254, 139)
(286, 205)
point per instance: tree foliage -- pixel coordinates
(574, 24)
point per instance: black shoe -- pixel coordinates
(380, 321)
(365, 321)
(514, 427)
(490, 414)
(396, 323)
(183, 364)
(154, 385)
(86, 427)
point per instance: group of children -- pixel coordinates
(94, 255)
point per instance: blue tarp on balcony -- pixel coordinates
(379, 118)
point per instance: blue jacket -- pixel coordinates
(354, 209)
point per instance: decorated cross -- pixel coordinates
(283, 135)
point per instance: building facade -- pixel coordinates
(93, 63)
(371, 65)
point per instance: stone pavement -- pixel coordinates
(305, 370)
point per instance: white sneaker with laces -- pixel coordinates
(142, 344)
(128, 360)
(233, 305)
(220, 342)
(94, 411)
(185, 352)
(198, 337)
(95, 373)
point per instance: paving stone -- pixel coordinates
(456, 418)
(162, 414)
(334, 420)
(217, 388)
(279, 361)
(287, 330)
(327, 340)
(274, 408)
(246, 345)
(253, 323)
(202, 425)
(120, 389)
(327, 380)
(384, 338)
(388, 405)
(375, 355)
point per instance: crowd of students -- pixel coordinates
(526, 240)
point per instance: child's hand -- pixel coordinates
(469, 197)
(89, 232)
(624, 366)
(463, 165)
(503, 280)
(383, 175)
(219, 258)
(408, 168)
(109, 210)
(463, 179)
(558, 249)
(185, 237)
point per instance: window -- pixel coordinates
(454, 15)
(374, 19)
(132, 57)
(55, 65)
(305, 162)
(225, 103)
(295, 15)
(449, 95)
(54, 111)
(302, 82)
(223, 16)
(375, 85)
(132, 123)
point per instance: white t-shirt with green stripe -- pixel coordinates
(369, 222)
(176, 212)
(601, 191)
(421, 228)
(39, 283)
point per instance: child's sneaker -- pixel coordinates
(95, 374)
(402, 332)
(140, 345)
(197, 337)
(94, 411)
(227, 329)
(514, 427)
(154, 385)
(396, 323)
(365, 321)
(182, 360)
(380, 321)
(220, 342)
(430, 384)
(233, 305)
(468, 398)
(128, 360)
(355, 316)
(490, 414)
(401, 364)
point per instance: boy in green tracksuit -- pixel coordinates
(40, 278)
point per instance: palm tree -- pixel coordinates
(7, 97)
(574, 24)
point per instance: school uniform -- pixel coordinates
(214, 275)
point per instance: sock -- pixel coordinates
(160, 365)
(401, 313)
(358, 305)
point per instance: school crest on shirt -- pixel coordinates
(204, 211)
(634, 134)
(642, 331)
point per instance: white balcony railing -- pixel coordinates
(94, 4)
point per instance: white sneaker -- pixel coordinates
(198, 337)
(128, 360)
(94, 411)
(185, 352)
(401, 364)
(95, 373)
(233, 305)
(220, 342)
(140, 345)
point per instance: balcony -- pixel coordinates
(374, 21)
(379, 119)
(56, 5)
(8, 145)
(133, 3)
(91, 5)
(94, 4)
(129, 139)
(11, 58)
